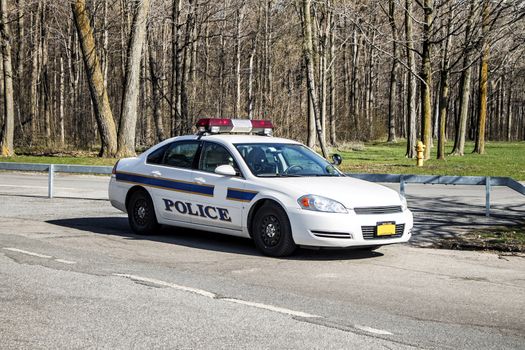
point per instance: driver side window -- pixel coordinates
(214, 155)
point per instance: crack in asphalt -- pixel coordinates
(325, 322)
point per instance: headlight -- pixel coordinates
(403, 200)
(318, 203)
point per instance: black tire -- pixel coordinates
(271, 231)
(141, 214)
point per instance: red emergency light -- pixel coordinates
(224, 125)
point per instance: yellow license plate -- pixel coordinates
(386, 229)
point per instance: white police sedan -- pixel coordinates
(233, 178)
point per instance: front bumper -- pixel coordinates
(311, 228)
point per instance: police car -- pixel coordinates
(233, 177)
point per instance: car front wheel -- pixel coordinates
(271, 231)
(141, 214)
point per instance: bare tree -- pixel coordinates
(426, 79)
(483, 80)
(128, 118)
(308, 53)
(411, 88)
(7, 140)
(444, 83)
(99, 95)
(156, 91)
(465, 82)
(392, 105)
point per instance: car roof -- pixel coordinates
(237, 138)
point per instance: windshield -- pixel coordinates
(275, 160)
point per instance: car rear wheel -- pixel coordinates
(141, 214)
(271, 231)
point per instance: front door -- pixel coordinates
(220, 210)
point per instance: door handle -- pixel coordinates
(156, 173)
(200, 180)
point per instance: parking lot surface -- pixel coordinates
(73, 275)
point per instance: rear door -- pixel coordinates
(169, 178)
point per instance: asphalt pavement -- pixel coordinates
(74, 276)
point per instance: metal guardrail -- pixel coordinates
(51, 169)
(486, 181)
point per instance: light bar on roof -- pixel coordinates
(223, 125)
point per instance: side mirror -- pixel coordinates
(337, 159)
(226, 170)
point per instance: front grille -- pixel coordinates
(378, 210)
(325, 234)
(370, 232)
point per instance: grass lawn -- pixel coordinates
(81, 160)
(502, 159)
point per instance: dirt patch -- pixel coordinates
(500, 239)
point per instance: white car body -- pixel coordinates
(225, 204)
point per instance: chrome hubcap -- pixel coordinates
(270, 230)
(141, 212)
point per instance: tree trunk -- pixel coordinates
(444, 86)
(268, 57)
(105, 41)
(392, 101)
(331, 84)
(310, 138)
(238, 22)
(466, 77)
(176, 68)
(35, 73)
(483, 82)
(128, 119)
(426, 84)
(45, 95)
(411, 89)
(7, 142)
(155, 92)
(323, 69)
(99, 95)
(509, 111)
(356, 83)
(443, 105)
(21, 57)
(61, 104)
(312, 93)
(251, 98)
(185, 69)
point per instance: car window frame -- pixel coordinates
(201, 152)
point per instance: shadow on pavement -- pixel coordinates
(449, 218)
(118, 226)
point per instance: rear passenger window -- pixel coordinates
(156, 156)
(180, 154)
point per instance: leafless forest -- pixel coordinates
(119, 75)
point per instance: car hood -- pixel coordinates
(348, 191)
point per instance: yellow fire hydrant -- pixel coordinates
(420, 149)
